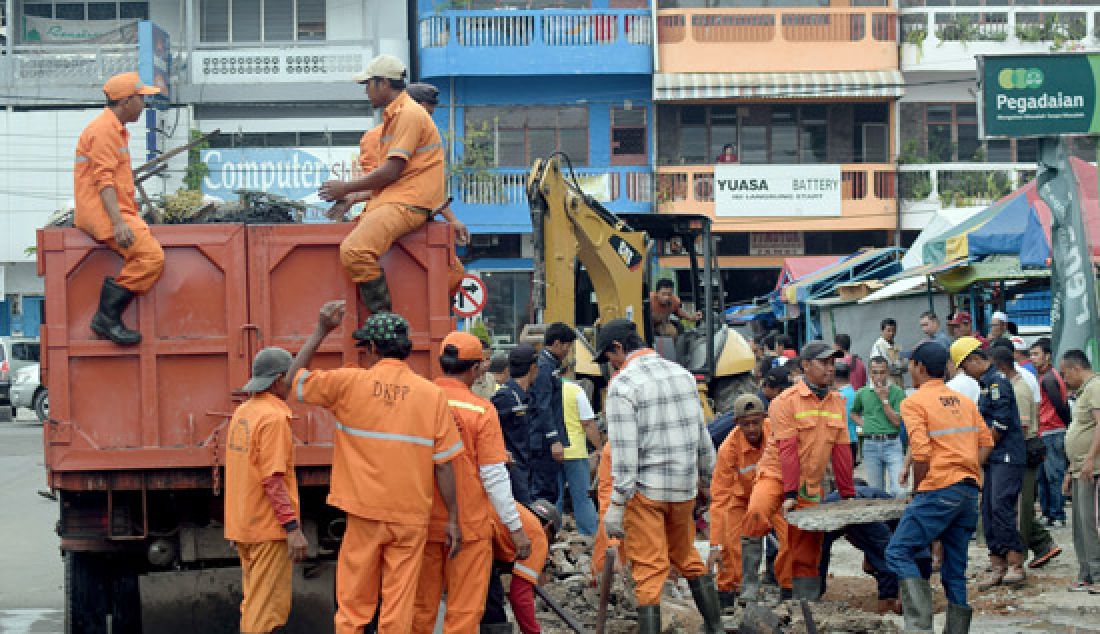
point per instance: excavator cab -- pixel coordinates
(570, 226)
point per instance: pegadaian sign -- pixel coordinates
(1039, 95)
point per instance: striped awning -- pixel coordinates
(693, 86)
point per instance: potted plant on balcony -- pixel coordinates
(916, 37)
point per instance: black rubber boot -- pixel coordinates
(705, 593)
(496, 628)
(958, 619)
(376, 295)
(916, 604)
(107, 322)
(727, 599)
(752, 551)
(808, 588)
(649, 619)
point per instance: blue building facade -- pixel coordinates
(517, 84)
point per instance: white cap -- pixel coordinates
(383, 66)
(1019, 344)
(999, 316)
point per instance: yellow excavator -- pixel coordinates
(570, 226)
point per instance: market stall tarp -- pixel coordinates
(869, 264)
(957, 242)
(991, 269)
(795, 268)
(940, 222)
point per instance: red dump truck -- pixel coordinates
(134, 446)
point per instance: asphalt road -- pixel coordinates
(31, 578)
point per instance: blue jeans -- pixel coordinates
(1051, 474)
(949, 515)
(574, 472)
(1000, 499)
(883, 459)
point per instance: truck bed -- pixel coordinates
(227, 291)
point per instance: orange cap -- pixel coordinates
(124, 85)
(469, 346)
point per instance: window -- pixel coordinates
(287, 139)
(773, 134)
(86, 11)
(261, 20)
(628, 136)
(515, 136)
(948, 132)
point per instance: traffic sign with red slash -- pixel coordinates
(471, 296)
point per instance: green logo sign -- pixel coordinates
(1039, 95)
(1020, 78)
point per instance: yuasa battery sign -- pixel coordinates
(776, 190)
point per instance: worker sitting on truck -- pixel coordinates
(734, 479)
(262, 516)
(541, 522)
(408, 186)
(370, 158)
(393, 428)
(103, 188)
(809, 430)
(482, 482)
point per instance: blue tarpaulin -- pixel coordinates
(1015, 230)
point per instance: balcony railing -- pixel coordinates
(620, 187)
(70, 65)
(518, 42)
(867, 190)
(948, 38)
(960, 184)
(279, 63)
(838, 38)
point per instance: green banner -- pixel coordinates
(1039, 95)
(1073, 308)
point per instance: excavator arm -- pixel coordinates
(570, 225)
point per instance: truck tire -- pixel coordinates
(41, 405)
(86, 598)
(726, 389)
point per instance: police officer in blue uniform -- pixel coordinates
(1004, 471)
(548, 436)
(513, 403)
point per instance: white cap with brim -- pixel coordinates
(384, 66)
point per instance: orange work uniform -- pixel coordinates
(466, 577)
(806, 433)
(505, 550)
(103, 160)
(730, 490)
(603, 490)
(947, 440)
(409, 134)
(260, 445)
(392, 427)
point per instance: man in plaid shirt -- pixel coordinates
(661, 459)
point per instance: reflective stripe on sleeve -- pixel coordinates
(464, 405)
(443, 455)
(300, 383)
(428, 148)
(524, 569)
(744, 470)
(952, 430)
(381, 435)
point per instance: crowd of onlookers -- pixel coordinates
(1045, 457)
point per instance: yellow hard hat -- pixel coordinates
(962, 348)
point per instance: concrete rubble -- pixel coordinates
(837, 515)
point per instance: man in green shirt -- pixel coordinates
(875, 410)
(1083, 450)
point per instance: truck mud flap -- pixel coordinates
(208, 601)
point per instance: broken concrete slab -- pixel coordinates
(837, 515)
